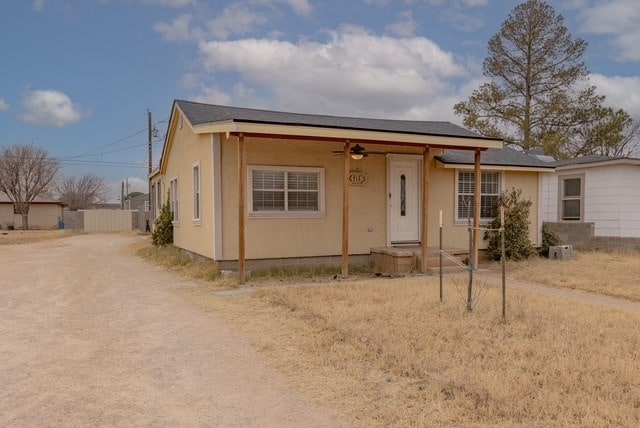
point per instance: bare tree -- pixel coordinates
(82, 192)
(26, 171)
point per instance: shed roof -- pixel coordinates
(4, 199)
(506, 157)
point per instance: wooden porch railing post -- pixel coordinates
(242, 197)
(425, 207)
(345, 210)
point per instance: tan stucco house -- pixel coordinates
(44, 213)
(254, 188)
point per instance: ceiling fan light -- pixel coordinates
(357, 156)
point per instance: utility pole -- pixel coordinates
(150, 126)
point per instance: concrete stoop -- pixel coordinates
(403, 260)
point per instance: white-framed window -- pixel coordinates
(173, 199)
(285, 191)
(490, 191)
(571, 194)
(196, 192)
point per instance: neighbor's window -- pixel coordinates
(173, 199)
(196, 192)
(159, 199)
(290, 191)
(490, 190)
(571, 198)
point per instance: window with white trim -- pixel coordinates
(490, 191)
(571, 193)
(286, 191)
(196, 192)
(173, 199)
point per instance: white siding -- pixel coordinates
(612, 198)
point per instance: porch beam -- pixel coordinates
(242, 198)
(345, 210)
(476, 208)
(426, 167)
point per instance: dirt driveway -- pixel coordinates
(90, 335)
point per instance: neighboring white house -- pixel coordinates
(599, 190)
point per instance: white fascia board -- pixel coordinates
(346, 134)
(496, 167)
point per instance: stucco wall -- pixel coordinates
(188, 233)
(41, 216)
(305, 237)
(611, 199)
(443, 197)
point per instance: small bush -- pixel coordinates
(163, 231)
(516, 218)
(549, 239)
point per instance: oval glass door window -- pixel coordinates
(403, 195)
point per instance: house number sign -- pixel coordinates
(357, 178)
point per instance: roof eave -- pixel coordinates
(342, 134)
(623, 161)
(496, 167)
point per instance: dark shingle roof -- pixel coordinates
(199, 114)
(505, 157)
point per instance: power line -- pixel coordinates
(96, 151)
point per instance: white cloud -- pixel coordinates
(235, 19)
(49, 107)
(301, 7)
(620, 19)
(352, 73)
(4, 106)
(378, 3)
(621, 92)
(172, 3)
(474, 3)
(404, 26)
(179, 30)
(39, 5)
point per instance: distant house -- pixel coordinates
(44, 213)
(263, 188)
(136, 202)
(594, 201)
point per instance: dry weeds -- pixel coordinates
(387, 353)
(614, 273)
(178, 261)
(10, 237)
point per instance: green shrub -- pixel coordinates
(163, 231)
(549, 239)
(516, 218)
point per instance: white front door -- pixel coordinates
(404, 200)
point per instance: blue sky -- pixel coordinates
(78, 76)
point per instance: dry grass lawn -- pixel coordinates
(387, 353)
(615, 273)
(8, 237)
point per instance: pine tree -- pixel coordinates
(163, 231)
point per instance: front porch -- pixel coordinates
(401, 260)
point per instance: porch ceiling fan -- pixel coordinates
(358, 152)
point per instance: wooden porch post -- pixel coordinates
(425, 206)
(242, 197)
(476, 209)
(345, 211)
